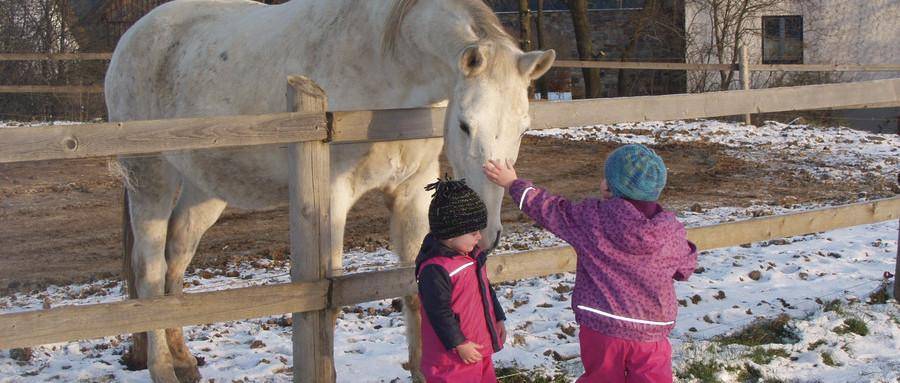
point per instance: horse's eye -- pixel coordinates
(465, 128)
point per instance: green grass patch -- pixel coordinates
(750, 374)
(853, 325)
(760, 332)
(829, 360)
(834, 305)
(880, 296)
(705, 371)
(518, 375)
(762, 356)
(814, 345)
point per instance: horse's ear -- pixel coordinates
(534, 64)
(473, 60)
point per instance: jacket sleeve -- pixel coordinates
(687, 264)
(498, 310)
(435, 290)
(555, 213)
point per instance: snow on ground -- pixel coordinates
(821, 281)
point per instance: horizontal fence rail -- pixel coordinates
(101, 56)
(55, 56)
(154, 136)
(558, 114)
(92, 89)
(61, 89)
(728, 67)
(91, 321)
(137, 137)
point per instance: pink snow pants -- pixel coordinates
(481, 372)
(608, 359)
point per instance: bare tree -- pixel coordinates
(727, 25)
(593, 85)
(525, 41)
(541, 44)
(39, 26)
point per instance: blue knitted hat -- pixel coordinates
(635, 172)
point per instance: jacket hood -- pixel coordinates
(633, 232)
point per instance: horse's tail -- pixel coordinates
(136, 358)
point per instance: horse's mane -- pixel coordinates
(485, 23)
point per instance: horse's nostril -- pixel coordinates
(465, 128)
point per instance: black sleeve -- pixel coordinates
(436, 290)
(498, 310)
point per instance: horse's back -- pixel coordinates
(141, 80)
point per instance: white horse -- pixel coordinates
(192, 58)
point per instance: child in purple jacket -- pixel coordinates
(629, 252)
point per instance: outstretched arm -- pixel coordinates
(555, 213)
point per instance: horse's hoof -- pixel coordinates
(189, 374)
(132, 362)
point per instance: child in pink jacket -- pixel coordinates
(462, 321)
(629, 252)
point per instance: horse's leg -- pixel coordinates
(194, 214)
(151, 198)
(136, 358)
(409, 224)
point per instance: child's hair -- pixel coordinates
(455, 209)
(635, 172)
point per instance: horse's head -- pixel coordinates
(488, 113)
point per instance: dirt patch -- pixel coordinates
(61, 220)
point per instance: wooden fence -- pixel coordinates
(743, 66)
(142, 137)
(317, 289)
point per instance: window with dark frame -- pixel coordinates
(782, 41)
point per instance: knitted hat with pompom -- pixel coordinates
(455, 209)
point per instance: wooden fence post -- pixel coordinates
(897, 268)
(310, 216)
(744, 67)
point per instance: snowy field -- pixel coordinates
(837, 327)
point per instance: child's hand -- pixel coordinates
(502, 174)
(469, 352)
(501, 332)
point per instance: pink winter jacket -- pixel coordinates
(626, 260)
(458, 303)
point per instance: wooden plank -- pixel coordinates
(365, 287)
(511, 267)
(385, 125)
(897, 268)
(356, 288)
(79, 322)
(54, 56)
(826, 67)
(744, 67)
(558, 114)
(813, 221)
(66, 89)
(728, 67)
(141, 137)
(69, 323)
(642, 65)
(311, 252)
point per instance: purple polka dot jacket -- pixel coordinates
(628, 260)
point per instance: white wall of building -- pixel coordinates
(834, 32)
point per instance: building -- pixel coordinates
(797, 32)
